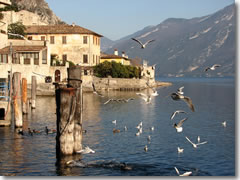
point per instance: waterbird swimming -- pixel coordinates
(138, 133)
(145, 148)
(213, 67)
(114, 122)
(142, 45)
(177, 97)
(224, 123)
(175, 113)
(125, 128)
(86, 150)
(188, 173)
(193, 144)
(178, 126)
(180, 150)
(116, 130)
(139, 125)
(152, 128)
(149, 138)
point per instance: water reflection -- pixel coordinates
(214, 102)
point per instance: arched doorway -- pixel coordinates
(57, 76)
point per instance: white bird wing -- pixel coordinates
(149, 42)
(173, 115)
(177, 171)
(202, 143)
(189, 140)
(186, 173)
(181, 88)
(108, 101)
(137, 41)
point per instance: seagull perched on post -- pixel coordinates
(143, 45)
(178, 126)
(176, 112)
(177, 97)
(212, 67)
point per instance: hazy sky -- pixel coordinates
(115, 19)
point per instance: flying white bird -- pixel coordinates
(114, 122)
(188, 173)
(178, 126)
(212, 67)
(154, 93)
(177, 97)
(145, 97)
(95, 92)
(180, 150)
(193, 144)
(180, 90)
(86, 150)
(139, 125)
(198, 139)
(176, 112)
(142, 45)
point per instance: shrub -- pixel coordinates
(116, 70)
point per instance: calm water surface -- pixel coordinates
(214, 101)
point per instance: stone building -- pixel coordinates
(69, 43)
(116, 58)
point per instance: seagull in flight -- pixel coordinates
(95, 92)
(195, 145)
(145, 97)
(180, 90)
(177, 97)
(86, 150)
(212, 67)
(143, 45)
(188, 173)
(176, 112)
(178, 126)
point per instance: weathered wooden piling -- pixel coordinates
(24, 96)
(66, 107)
(33, 92)
(17, 100)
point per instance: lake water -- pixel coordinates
(214, 101)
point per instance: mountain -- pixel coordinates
(106, 43)
(39, 7)
(184, 47)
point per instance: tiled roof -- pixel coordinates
(58, 29)
(6, 50)
(112, 56)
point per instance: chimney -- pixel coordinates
(123, 54)
(73, 24)
(116, 52)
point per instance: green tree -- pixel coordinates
(16, 28)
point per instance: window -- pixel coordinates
(85, 40)
(85, 58)
(44, 56)
(93, 39)
(93, 59)
(42, 38)
(64, 39)
(52, 40)
(85, 72)
(36, 58)
(3, 58)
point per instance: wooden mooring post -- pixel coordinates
(33, 92)
(17, 100)
(69, 128)
(24, 96)
(69, 101)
